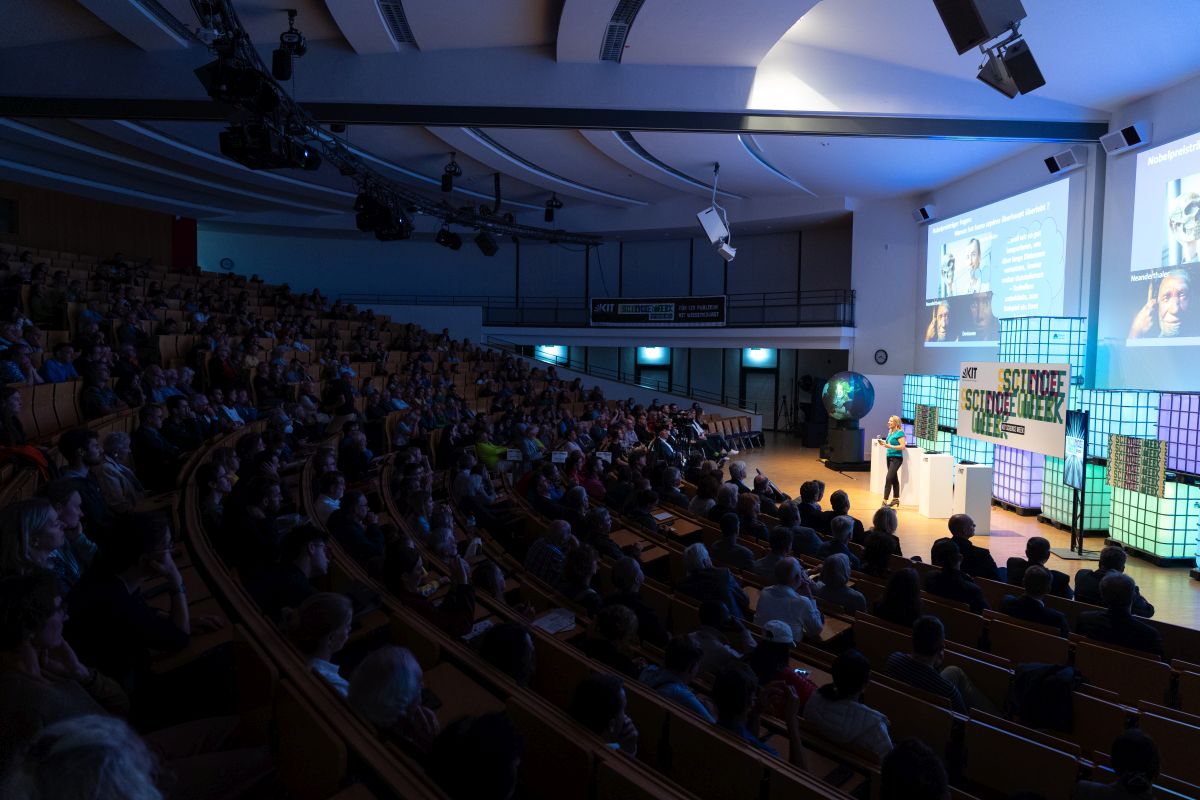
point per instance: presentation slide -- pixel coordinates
(1007, 259)
(1165, 255)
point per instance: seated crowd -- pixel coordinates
(92, 593)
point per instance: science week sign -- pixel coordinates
(1016, 405)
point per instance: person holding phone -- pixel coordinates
(895, 459)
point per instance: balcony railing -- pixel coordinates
(806, 309)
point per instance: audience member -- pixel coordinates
(834, 586)
(332, 487)
(120, 486)
(71, 559)
(599, 705)
(681, 665)
(901, 601)
(950, 581)
(810, 504)
(489, 745)
(923, 669)
(911, 771)
(790, 600)
(771, 662)
(627, 579)
(837, 712)
(703, 581)
(356, 528)
(30, 535)
(977, 562)
(509, 648)
(1037, 552)
(547, 556)
(1031, 606)
(1136, 764)
(303, 559)
(736, 696)
(1087, 581)
(579, 572)
(320, 627)
(155, 458)
(611, 638)
(748, 509)
(80, 448)
(840, 528)
(405, 576)
(385, 689)
(721, 636)
(726, 550)
(781, 547)
(805, 541)
(839, 506)
(1116, 624)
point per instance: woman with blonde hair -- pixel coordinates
(895, 459)
(320, 628)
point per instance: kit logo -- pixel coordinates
(969, 372)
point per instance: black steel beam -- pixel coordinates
(759, 123)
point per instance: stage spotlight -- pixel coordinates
(291, 45)
(1023, 70)
(312, 159)
(451, 172)
(486, 244)
(994, 73)
(551, 206)
(447, 238)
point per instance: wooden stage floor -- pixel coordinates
(1176, 597)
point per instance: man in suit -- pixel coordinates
(810, 504)
(155, 459)
(839, 506)
(664, 451)
(976, 561)
(1087, 581)
(670, 492)
(805, 541)
(737, 476)
(1031, 606)
(1037, 552)
(768, 498)
(1116, 624)
(951, 582)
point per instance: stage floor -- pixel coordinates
(1176, 597)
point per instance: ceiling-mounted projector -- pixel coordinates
(710, 220)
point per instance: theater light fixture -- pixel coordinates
(552, 205)
(447, 238)
(1009, 66)
(291, 45)
(486, 244)
(452, 171)
(715, 222)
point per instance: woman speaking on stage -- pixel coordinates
(895, 458)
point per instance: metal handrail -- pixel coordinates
(723, 399)
(808, 308)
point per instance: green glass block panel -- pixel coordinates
(1163, 526)
(1097, 496)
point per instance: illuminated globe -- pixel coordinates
(848, 396)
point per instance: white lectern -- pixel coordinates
(909, 474)
(936, 485)
(973, 494)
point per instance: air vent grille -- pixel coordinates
(618, 29)
(397, 21)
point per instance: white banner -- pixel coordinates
(1016, 405)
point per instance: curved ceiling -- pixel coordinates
(515, 88)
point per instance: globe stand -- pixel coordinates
(847, 397)
(843, 451)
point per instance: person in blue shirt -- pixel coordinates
(681, 665)
(736, 695)
(61, 367)
(895, 459)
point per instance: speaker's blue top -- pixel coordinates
(893, 443)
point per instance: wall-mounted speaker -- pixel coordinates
(1127, 138)
(970, 23)
(923, 214)
(1070, 159)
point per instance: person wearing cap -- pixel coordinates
(790, 600)
(771, 662)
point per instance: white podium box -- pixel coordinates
(909, 474)
(937, 487)
(973, 494)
